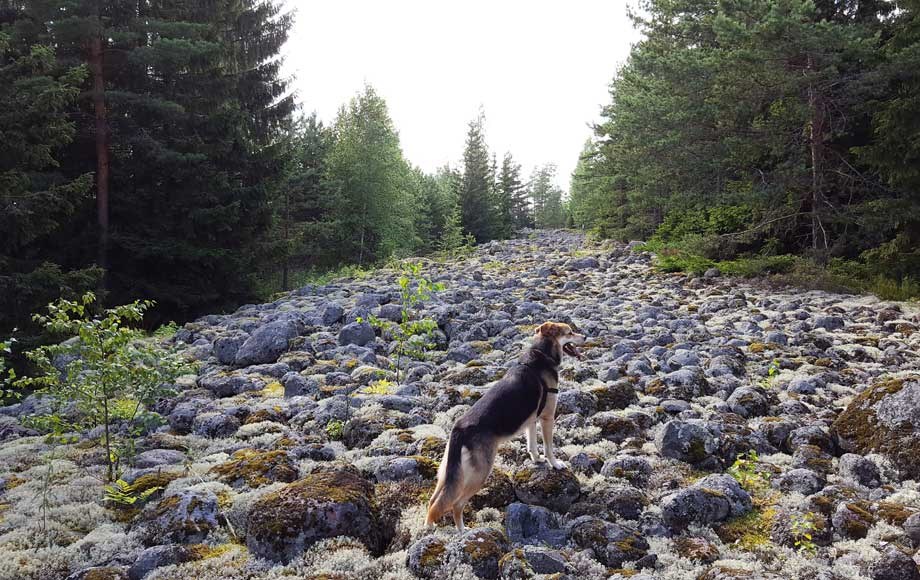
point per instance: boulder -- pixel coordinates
(157, 557)
(268, 342)
(711, 499)
(556, 489)
(688, 441)
(284, 523)
(256, 468)
(426, 556)
(481, 548)
(360, 333)
(535, 525)
(185, 517)
(884, 418)
(612, 544)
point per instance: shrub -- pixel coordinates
(107, 369)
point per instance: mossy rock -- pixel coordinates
(264, 415)
(256, 468)
(186, 516)
(884, 418)
(322, 505)
(100, 573)
(497, 492)
(426, 556)
(696, 549)
(481, 548)
(556, 489)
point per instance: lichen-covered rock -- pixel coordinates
(803, 481)
(284, 523)
(226, 347)
(416, 468)
(556, 489)
(481, 548)
(635, 470)
(100, 573)
(215, 425)
(497, 491)
(297, 385)
(158, 457)
(711, 499)
(696, 549)
(268, 342)
(426, 556)
(885, 418)
(256, 468)
(912, 528)
(860, 470)
(359, 333)
(528, 524)
(182, 517)
(157, 557)
(612, 544)
(853, 519)
(894, 565)
(223, 385)
(686, 383)
(689, 441)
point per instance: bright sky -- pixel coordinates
(540, 70)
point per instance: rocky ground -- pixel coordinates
(294, 454)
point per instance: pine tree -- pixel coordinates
(37, 202)
(475, 192)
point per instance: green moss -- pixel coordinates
(433, 555)
(256, 468)
(750, 532)
(151, 480)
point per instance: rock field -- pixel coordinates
(716, 429)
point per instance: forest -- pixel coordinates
(155, 151)
(766, 137)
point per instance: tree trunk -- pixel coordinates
(287, 242)
(102, 150)
(816, 143)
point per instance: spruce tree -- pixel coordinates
(475, 192)
(37, 201)
(511, 200)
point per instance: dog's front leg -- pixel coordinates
(547, 424)
(532, 449)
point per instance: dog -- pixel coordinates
(526, 394)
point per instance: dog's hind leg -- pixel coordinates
(458, 517)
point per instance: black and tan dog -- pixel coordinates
(525, 395)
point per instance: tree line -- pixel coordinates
(154, 150)
(754, 129)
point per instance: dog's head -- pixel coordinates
(568, 339)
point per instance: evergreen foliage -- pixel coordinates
(763, 128)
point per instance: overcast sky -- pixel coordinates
(539, 69)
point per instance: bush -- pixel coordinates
(107, 369)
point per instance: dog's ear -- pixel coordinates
(548, 329)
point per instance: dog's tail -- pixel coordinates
(449, 475)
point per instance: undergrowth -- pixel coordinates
(838, 275)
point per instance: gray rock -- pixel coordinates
(686, 383)
(894, 565)
(912, 528)
(688, 441)
(829, 322)
(359, 333)
(750, 401)
(532, 560)
(584, 263)
(226, 347)
(426, 556)
(712, 499)
(215, 425)
(157, 557)
(535, 525)
(185, 517)
(612, 544)
(297, 385)
(268, 342)
(803, 481)
(805, 384)
(227, 385)
(859, 469)
(481, 548)
(556, 489)
(157, 457)
(330, 313)
(182, 416)
(635, 470)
